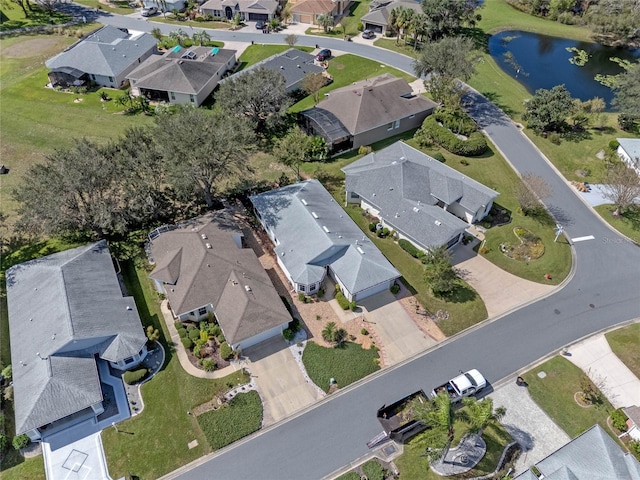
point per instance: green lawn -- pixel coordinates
(30, 468)
(241, 417)
(168, 398)
(628, 223)
(347, 364)
(412, 465)
(555, 395)
(258, 52)
(12, 17)
(625, 342)
(118, 7)
(43, 119)
(347, 69)
(189, 26)
(357, 9)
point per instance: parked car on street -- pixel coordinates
(323, 55)
(368, 34)
(149, 11)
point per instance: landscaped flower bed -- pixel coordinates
(529, 248)
(205, 344)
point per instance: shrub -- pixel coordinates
(294, 325)
(353, 305)
(321, 293)
(555, 139)
(182, 332)
(178, 325)
(214, 330)
(197, 350)
(302, 297)
(464, 162)
(635, 448)
(395, 289)
(7, 372)
(364, 331)
(342, 300)
(475, 145)
(372, 227)
(4, 442)
(364, 150)
(132, 377)
(209, 365)
(408, 247)
(186, 343)
(619, 420)
(288, 334)
(373, 470)
(193, 334)
(20, 441)
(614, 144)
(439, 156)
(226, 351)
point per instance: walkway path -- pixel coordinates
(604, 368)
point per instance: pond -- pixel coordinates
(539, 61)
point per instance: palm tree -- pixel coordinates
(480, 414)
(406, 16)
(156, 33)
(325, 21)
(201, 37)
(340, 336)
(178, 36)
(419, 27)
(285, 15)
(328, 332)
(439, 415)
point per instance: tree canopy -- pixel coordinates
(627, 92)
(448, 17)
(548, 110)
(442, 63)
(260, 96)
(438, 272)
(622, 186)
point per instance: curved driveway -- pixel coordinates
(603, 292)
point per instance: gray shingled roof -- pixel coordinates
(631, 146)
(219, 275)
(380, 15)
(63, 309)
(171, 72)
(304, 247)
(371, 103)
(592, 455)
(293, 64)
(108, 52)
(248, 6)
(405, 184)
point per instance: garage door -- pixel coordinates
(373, 290)
(259, 16)
(304, 18)
(375, 28)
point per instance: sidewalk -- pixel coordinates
(604, 368)
(182, 355)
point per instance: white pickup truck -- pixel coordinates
(464, 385)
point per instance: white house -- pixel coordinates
(629, 152)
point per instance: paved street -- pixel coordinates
(603, 292)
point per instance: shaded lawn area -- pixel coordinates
(13, 17)
(347, 69)
(43, 119)
(191, 26)
(389, 43)
(31, 468)
(258, 52)
(555, 395)
(627, 224)
(120, 8)
(157, 439)
(357, 9)
(624, 342)
(413, 465)
(240, 417)
(346, 364)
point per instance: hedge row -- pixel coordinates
(441, 135)
(410, 248)
(342, 300)
(131, 377)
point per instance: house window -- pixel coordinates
(173, 95)
(301, 287)
(192, 98)
(313, 287)
(129, 360)
(354, 195)
(390, 126)
(453, 241)
(111, 79)
(396, 124)
(202, 311)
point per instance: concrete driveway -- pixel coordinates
(279, 380)
(399, 336)
(500, 291)
(79, 460)
(604, 368)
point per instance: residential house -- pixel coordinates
(366, 112)
(423, 200)
(629, 152)
(182, 76)
(252, 10)
(293, 64)
(203, 267)
(592, 455)
(166, 5)
(377, 19)
(308, 11)
(104, 57)
(633, 421)
(313, 237)
(67, 315)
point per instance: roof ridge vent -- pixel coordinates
(325, 229)
(247, 288)
(438, 222)
(204, 236)
(208, 245)
(314, 214)
(304, 202)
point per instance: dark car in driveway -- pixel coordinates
(368, 34)
(323, 55)
(260, 25)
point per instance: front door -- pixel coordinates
(228, 13)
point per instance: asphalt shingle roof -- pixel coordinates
(307, 243)
(371, 103)
(247, 6)
(63, 309)
(631, 146)
(592, 455)
(380, 15)
(108, 52)
(226, 276)
(293, 64)
(405, 185)
(171, 72)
